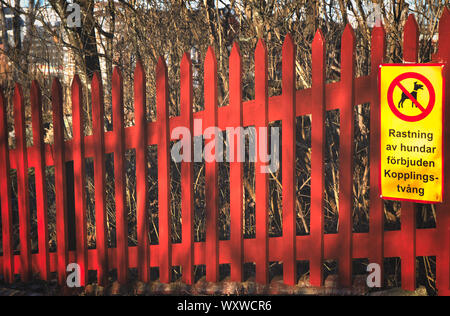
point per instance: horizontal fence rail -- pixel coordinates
(344, 246)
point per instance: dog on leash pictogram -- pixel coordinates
(417, 87)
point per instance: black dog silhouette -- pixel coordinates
(417, 87)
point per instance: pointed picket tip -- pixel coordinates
(161, 63)
(96, 80)
(117, 81)
(161, 75)
(117, 91)
(261, 46)
(139, 70)
(76, 82)
(35, 95)
(2, 104)
(319, 39)
(235, 51)
(210, 55)
(348, 50)
(378, 30)
(186, 86)
(56, 84)
(18, 96)
(288, 42)
(97, 91)
(185, 60)
(76, 92)
(17, 89)
(210, 65)
(56, 87)
(35, 85)
(139, 93)
(349, 33)
(56, 94)
(444, 22)
(36, 110)
(117, 74)
(411, 23)
(96, 76)
(96, 86)
(139, 65)
(445, 13)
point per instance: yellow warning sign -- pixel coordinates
(411, 122)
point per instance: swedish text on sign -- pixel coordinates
(411, 122)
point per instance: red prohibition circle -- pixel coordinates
(425, 111)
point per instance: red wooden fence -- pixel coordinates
(316, 247)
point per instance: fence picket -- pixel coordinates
(316, 247)
(23, 194)
(140, 116)
(317, 157)
(346, 149)
(119, 176)
(60, 180)
(236, 167)
(408, 210)
(187, 170)
(39, 172)
(98, 125)
(5, 186)
(211, 169)
(288, 161)
(79, 179)
(261, 178)
(376, 216)
(442, 210)
(162, 113)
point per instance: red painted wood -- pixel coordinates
(346, 148)
(303, 100)
(408, 211)
(119, 176)
(427, 245)
(317, 158)
(262, 177)
(5, 192)
(410, 40)
(140, 113)
(211, 169)
(376, 213)
(162, 113)
(23, 195)
(39, 173)
(187, 171)
(60, 181)
(98, 125)
(236, 167)
(342, 246)
(442, 210)
(79, 178)
(288, 161)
